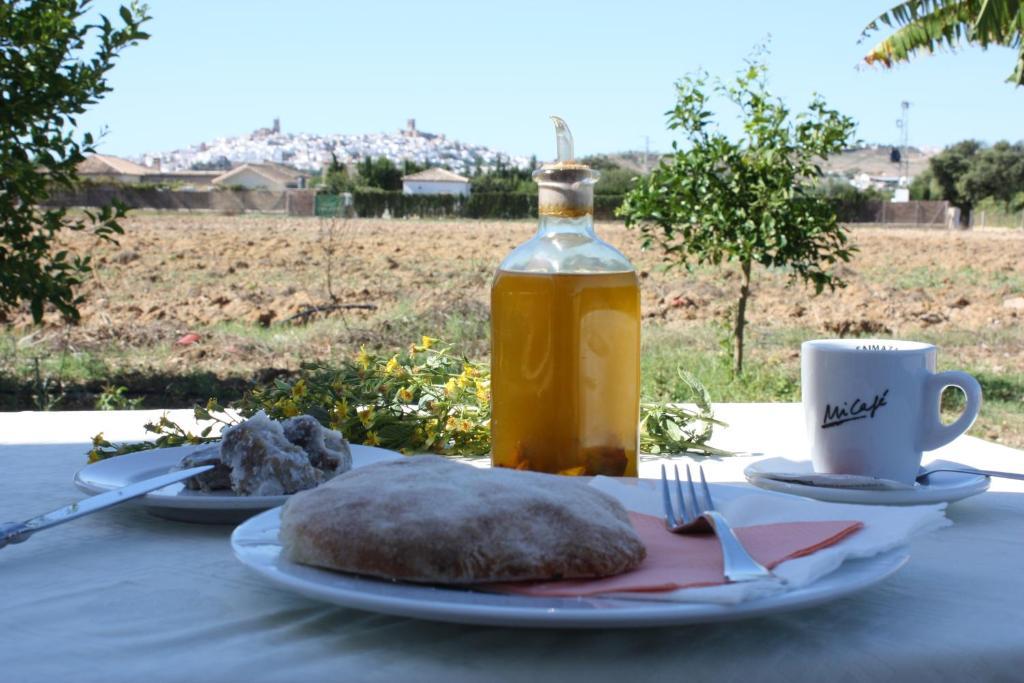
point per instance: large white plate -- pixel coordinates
(941, 487)
(255, 544)
(177, 502)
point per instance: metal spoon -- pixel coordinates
(968, 470)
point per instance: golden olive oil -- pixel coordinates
(565, 372)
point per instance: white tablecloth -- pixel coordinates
(122, 596)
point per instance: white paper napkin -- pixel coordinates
(885, 528)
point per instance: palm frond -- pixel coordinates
(1018, 73)
(908, 12)
(929, 25)
(944, 26)
(998, 22)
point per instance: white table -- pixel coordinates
(122, 596)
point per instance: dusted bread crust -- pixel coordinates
(430, 520)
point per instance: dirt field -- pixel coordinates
(236, 281)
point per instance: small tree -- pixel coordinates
(336, 179)
(744, 202)
(46, 80)
(949, 166)
(995, 172)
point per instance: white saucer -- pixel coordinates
(941, 487)
(178, 503)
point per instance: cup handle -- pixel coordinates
(937, 434)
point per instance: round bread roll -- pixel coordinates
(430, 520)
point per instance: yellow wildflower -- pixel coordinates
(363, 358)
(366, 416)
(288, 408)
(426, 342)
(462, 380)
(372, 439)
(483, 394)
(450, 386)
(465, 425)
(341, 407)
(405, 395)
(452, 425)
(392, 367)
(470, 371)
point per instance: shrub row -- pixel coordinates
(855, 208)
(495, 205)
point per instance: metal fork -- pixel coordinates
(696, 514)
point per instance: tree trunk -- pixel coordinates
(741, 320)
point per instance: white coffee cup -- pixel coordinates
(871, 406)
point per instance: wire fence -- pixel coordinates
(987, 218)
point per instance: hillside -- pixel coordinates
(873, 160)
(311, 151)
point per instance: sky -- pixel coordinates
(492, 72)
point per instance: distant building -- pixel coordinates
(102, 168)
(863, 181)
(262, 177)
(435, 181)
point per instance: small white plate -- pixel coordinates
(255, 544)
(178, 503)
(942, 487)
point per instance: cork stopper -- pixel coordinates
(566, 188)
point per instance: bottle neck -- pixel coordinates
(558, 225)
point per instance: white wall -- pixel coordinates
(434, 187)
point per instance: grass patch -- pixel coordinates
(698, 351)
(165, 376)
(772, 372)
(932, 277)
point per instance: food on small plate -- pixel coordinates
(217, 478)
(326, 448)
(264, 457)
(426, 519)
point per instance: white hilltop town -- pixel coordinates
(312, 152)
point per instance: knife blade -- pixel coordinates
(16, 532)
